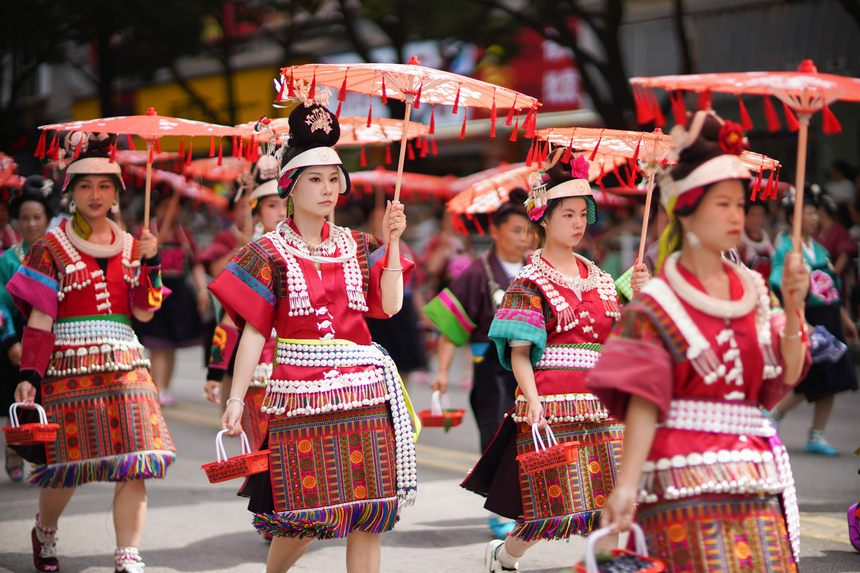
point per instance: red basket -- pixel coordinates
(439, 417)
(243, 465)
(29, 434)
(547, 455)
(646, 564)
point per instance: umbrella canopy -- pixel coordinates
(229, 169)
(414, 84)
(414, 184)
(184, 187)
(9, 172)
(353, 130)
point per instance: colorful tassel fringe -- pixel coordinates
(124, 467)
(374, 516)
(557, 528)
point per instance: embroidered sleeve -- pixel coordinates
(523, 315)
(247, 288)
(371, 255)
(633, 361)
(36, 283)
(454, 310)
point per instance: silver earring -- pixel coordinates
(72, 207)
(693, 240)
(115, 208)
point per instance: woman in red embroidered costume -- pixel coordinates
(549, 329)
(342, 453)
(79, 287)
(268, 209)
(697, 354)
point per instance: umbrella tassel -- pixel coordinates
(341, 94)
(40, 147)
(417, 104)
(425, 148)
(679, 109)
(432, 129)
(434, 150)
(493, 116)
(635, 157)
(363, 156)
(158, 145)
(770, 116)
(596, 147)
(829, 122)
(151, 153)
(212, 146)
(530, 155)
(291, 86)
(410, 152)
(313, 89)
(514, 133)
(704, 100)
(509, 120)
(220, 151)
(746, 121)
(112, 153)
(370, 113)
(456, 101)
(463, 128)
(190, 152)
(756, 188)
(644, 113)
(790, 118)
(339, 105)
(659, 118)
(55, 144)
(384, 91)
(774, 190)
(280, 96)
(388, 154)
(78, 149)
(531, 120)
(568, 153)
(181, 151)
(131, 142)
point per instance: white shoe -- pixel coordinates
(491, 559)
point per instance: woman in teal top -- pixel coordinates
(32, 209)
(823, 308)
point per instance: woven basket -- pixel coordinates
(547, 455)
(645, 564)
(243, 465)
(441, 417)
(29, 434)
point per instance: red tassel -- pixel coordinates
(384, 91)
(434, 150)
(493, 116)
(363, 157)
(514, 133)
(635, 157)
(829, 122)
(644, 113)
(131, 143)
(463, 128)
(55, 144)
(746, 122)
(212, 146)
(790, 118)
(531, 118)
(478, 226)
(509, 120)
(370, 113)
(774, 191)
(388, 154)
(679, 109)
(78, 149)
(659, 118)
(291, 86)
(241, 147)
(337, 113)
(756, 187)
(181, 151)
(596, 147)
(456, 101)
(417, 104)
(425, 149)
(112, 153)
(530, 157)
(190, 152)
(312, 91)
(281, 89)
(341, 94)
(545, 154)
(568, 153)
(770, 116)
(220, 151)
(410, 152)
(432, 129)
(704, 100)
(40, 146)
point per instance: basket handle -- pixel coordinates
(439, 400)
(539, 442)
(591, 560)
(221, 453)
(13, 412)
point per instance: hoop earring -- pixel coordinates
(693, 240)
(72, 207)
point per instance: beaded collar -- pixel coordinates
(96, 250)
(705, 302)
(577, 283)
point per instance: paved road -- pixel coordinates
(197, 527)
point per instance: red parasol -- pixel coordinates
(184, 187)
(416, 184)
(9, 172)
(415, 85)
(654, 149)
(228, 169)
(802, 92)
(150, 127)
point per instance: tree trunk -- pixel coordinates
(688, 63)
(105, 65)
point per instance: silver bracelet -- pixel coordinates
(241, 402)
(785, 336)
(392, 270)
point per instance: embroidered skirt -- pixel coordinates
(329, 474)
(255, 422)
(111, 429)
(732, 535)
